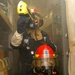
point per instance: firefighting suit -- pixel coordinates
(26, 40)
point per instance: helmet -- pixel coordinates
(22, 8)
(44, 51)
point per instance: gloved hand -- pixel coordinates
(32, 24)
(21, 24)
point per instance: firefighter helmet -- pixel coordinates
(22, 8)
(44, 51)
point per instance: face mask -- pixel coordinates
(43, 70)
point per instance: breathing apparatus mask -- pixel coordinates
(44, 66)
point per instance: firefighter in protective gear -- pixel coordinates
(25, 20)
(44, 60)
(27, 38)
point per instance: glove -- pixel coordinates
(21, 24)
(32, 24)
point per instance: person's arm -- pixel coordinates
(16, 39)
